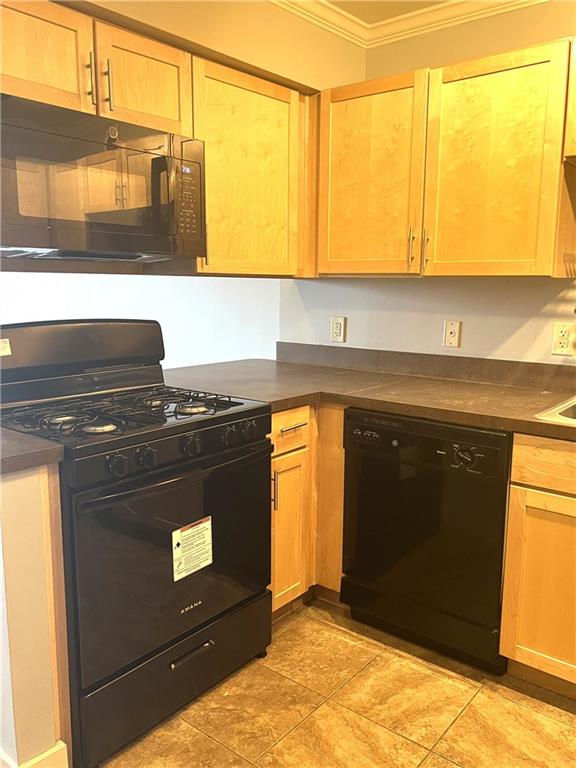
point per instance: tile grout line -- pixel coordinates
(211, 736)
(287, 677)
(391, 730)
(439, 739)
(385, 727)
(271, 747)
(326, 699)
(533, 709)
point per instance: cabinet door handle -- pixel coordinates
(108, 73)
(275, 492)
(411, 238)
(283, 430)
(92, 91)
(425, 257)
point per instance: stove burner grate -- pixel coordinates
(116, 413)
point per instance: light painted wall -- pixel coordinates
(495, 34)
(203, 319)
(257, 32)
(506, 318)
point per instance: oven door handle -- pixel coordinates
(193, 475)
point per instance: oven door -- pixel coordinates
(156, 560)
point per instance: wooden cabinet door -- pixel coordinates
(493, 167)
(251, 130)
(291, 502)
(142, 81)
(372, 143)
(539, 606)
(46, 54)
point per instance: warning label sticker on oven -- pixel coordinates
(5, 349)
(192, 548)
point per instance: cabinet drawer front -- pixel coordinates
(290, 429)
(544, 463)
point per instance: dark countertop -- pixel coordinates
(286, 385)
(19, 451)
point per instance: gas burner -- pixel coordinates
(153, 403)
(61, 421)
(190, 409)
(98, 429)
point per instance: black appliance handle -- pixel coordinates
(195, 653)
(171, 167)
(191, 475)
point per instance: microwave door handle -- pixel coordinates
(169, 166)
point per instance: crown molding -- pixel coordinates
(447, 14)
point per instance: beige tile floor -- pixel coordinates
(333, 693)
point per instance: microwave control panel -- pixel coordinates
(189, 209)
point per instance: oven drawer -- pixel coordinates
(118, 712)
(290, 429)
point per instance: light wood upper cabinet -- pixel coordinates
(371, 175)
(143, 81)
(291, 504)
(493, 169)
(251, 129)
(46, 54)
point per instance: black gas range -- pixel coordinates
(165, 519)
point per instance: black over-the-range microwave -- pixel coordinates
(82, 188)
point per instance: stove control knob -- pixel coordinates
(147, 457)
(249, 430)
(229, 436)
(191, 445)
(117, 464)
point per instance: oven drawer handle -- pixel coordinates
(194, 654)
(283, 430)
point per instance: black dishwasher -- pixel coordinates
(424, 523)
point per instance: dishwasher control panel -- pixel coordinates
(413, 441)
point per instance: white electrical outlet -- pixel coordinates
(564, 338)
(452, 333)
(338, 329)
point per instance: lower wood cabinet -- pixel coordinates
(539, 602)
(291, 508)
